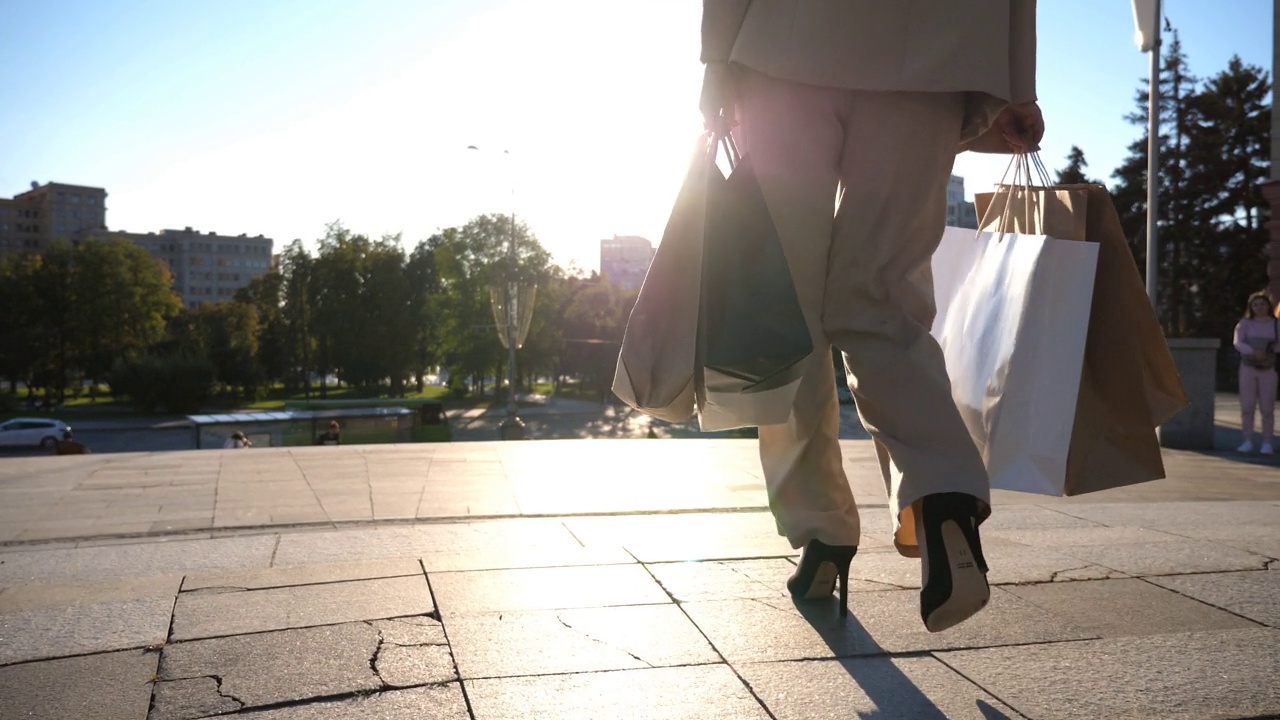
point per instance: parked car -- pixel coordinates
(20, 432)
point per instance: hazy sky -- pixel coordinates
(274, 117)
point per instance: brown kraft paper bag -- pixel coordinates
(1129, 385)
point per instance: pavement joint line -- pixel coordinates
(1229, 611)
(444, 629)
(989, 691)
(242, 530)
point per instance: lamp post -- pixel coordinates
(512, 304)
(1146, 19)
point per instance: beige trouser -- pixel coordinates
(863, 279)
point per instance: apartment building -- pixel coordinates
(625, 259)
(32, 220)
(207, 267)
(959, 212)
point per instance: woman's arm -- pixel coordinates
(1241, 340)
(721, 20)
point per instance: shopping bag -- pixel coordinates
(1129, 384)
(656, 363)
(752, 339)
(1012, 316)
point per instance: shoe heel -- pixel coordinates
(844, 590)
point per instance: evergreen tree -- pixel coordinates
(1073, 173)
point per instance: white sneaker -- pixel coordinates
(1266, 449)
(1245, 447)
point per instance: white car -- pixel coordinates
(23, 432)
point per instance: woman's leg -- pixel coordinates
(1248, 400)
(793, 135)
(1267, 403)
(898, 153)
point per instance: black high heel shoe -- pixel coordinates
(953, 584)
(820, 565)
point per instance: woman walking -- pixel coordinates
(1255, 339)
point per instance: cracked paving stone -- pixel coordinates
(539, 642)
(416, 630)
(191, 698)
(440, 702)
(403, 666)
(274, 667)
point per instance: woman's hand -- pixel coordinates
(1017, 129)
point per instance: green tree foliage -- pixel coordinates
(1073, 173)
(1214, 151)
(72, 311)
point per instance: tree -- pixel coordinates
(123, 300)
(470, 259)
(297, 316)
(1178, 260)
(1073, 173)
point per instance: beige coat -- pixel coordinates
(986, 48)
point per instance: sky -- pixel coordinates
(278, 117)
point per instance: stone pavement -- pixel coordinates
(605, 579)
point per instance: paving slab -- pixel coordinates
(1014, 563)
(1178, 557)
(683, 693)
(109, 686)
(216, 614)
(1123, 608)
(143, 559)
(724, 579)
(417, 540)
(880, 622)
(915, 688)
(277, 577)
(545, 588)
(270, 668)
(437, 702)
(1182, 676)
(686, 536)
(1255, 595)
(80, 629)
(544, 642)
(506, 557)
(1179, 518)
(1056, 537)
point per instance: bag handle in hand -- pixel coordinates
(1021, 165)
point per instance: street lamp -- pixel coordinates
(1146, 20)
(512, 303)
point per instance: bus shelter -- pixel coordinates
(293, 427)
(430, 423)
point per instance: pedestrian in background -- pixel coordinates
(1255, 338)
(330, 436)
(237, 440)
(68, 445)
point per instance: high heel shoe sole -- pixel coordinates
(824, 582)
(969, 589)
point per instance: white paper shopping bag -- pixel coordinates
(1013, 314)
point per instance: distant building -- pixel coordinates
(625, 259)
(207, 267)
(959, 213)
(31, 221)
